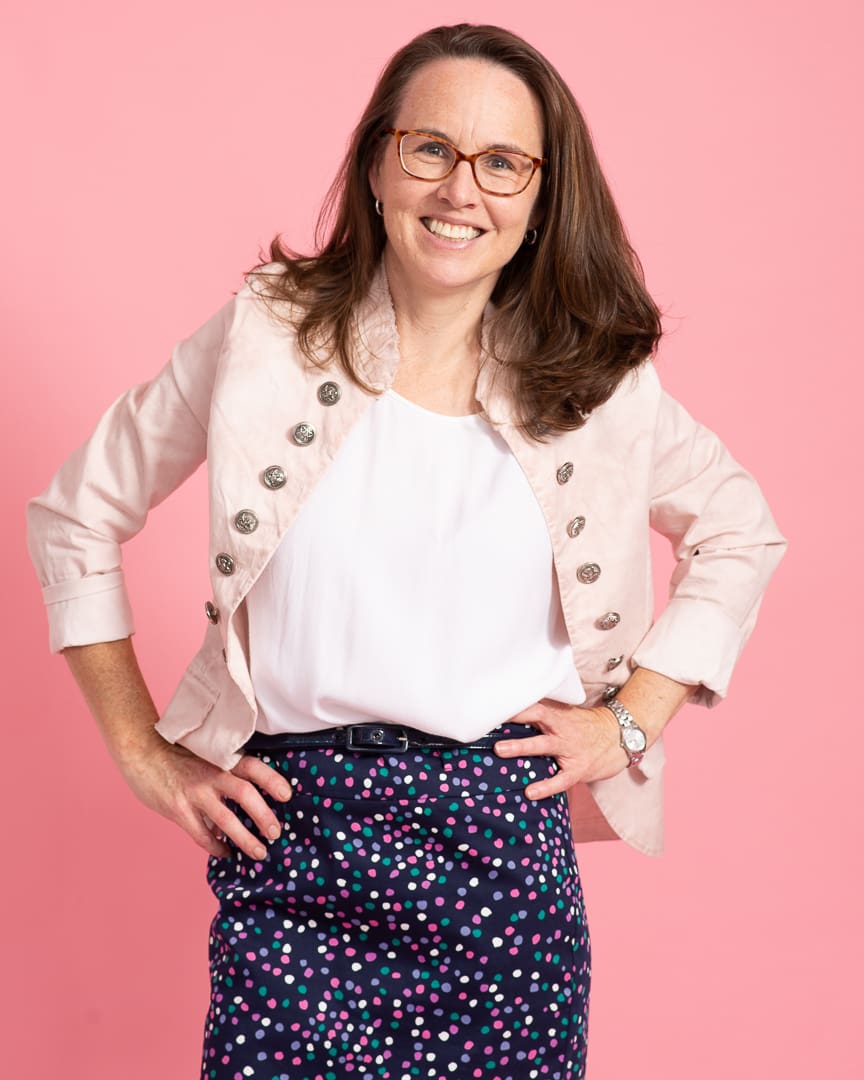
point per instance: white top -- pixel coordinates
(344, 629)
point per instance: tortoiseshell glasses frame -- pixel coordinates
(516, 158)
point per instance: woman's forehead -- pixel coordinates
(483, 102)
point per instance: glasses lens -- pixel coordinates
(425, 157)
(504, 172)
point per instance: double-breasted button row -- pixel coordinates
(304, 433)
(275, 477)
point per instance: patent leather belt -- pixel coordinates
(373, 739)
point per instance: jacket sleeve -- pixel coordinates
(147, 443)
(727, 546)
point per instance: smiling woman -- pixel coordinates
(434, 451)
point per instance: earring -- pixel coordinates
(379, 209)
(531, 237)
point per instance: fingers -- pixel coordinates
(268, 779)
(232, 828)
(552, 785)
(532, 746)
(197, 828)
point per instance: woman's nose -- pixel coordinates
(460, 187)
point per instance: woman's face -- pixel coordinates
(475, 105)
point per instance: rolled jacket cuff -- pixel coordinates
(694, 642)
(88, 611)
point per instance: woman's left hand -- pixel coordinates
(584, 741)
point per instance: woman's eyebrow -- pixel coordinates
(490, 146)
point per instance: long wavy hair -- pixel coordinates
(572, 312)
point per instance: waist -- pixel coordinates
(378, 739)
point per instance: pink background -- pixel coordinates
(150, 151)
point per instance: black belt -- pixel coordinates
(374, 739)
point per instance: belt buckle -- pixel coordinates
(375, 739)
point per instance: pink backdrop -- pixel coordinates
(150, 151)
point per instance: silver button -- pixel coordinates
(608, 621)
(576, 526)
(274, 477)
(588, 573)
(212, 612)
(613, 662)
(610, 692)
(329, 393)
(224, 563)
(246, 522)
(565, 472)
(303, 434)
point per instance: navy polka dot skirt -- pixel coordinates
(418, 917)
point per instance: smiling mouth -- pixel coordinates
(451, 232)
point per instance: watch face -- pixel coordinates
(634, 740)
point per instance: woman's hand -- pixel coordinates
(584, 741)
(191, 792)
(168, 778)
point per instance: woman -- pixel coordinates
(435, 449)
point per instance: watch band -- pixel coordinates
(632, 738)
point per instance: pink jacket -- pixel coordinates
(234, 393)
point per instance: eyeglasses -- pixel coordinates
(497, 172)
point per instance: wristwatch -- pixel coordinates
(632, 736)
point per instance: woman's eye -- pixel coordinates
(432, 149)
(498, 163)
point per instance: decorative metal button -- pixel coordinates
(588, 573)
(610, 692)
(613, 662)
(608, 621)
(303, 434)
(329, 393)
(246, 522)
(576, 526)
(274, 477)
(211, 611)
(224, 563)
(565, 472)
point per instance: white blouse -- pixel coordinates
(384, 601)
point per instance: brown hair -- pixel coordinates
(575, 302)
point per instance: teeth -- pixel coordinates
(451, 232)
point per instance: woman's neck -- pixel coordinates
(439, 348)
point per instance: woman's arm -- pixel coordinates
(169, 779)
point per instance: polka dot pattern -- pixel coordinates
(418, 917)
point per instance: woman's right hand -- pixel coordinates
(190, 791)
(169, 779)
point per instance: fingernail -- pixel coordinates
(273, 831)
(260, 852)
(284, 792)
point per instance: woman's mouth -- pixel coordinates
(451, 232)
